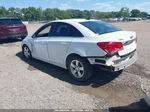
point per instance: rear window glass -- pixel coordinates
(100, 27)
(10, 21)
(4, 21)
(15, 21)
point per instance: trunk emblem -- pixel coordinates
(120, 39)
(128, 42)
(131, 37)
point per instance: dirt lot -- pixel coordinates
(38, 85)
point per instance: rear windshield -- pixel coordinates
(15, 21)
(4, 21)
(100, 27)
(10, 21)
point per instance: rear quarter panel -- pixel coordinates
(85, 47)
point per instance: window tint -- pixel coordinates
(44, 32)
(10, 21)
(100, 27)
(16, 21)
(64, 29)
(74, 32)
(4, 21)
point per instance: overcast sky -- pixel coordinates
(100, 5)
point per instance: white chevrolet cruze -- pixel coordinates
(80, 44)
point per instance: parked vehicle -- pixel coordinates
(78, 45)
(134, 19)
(11, 27)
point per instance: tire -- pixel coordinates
(79, 68)
(26, 52)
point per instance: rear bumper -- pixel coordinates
(117, 64)
(13, 35)
(126, 63)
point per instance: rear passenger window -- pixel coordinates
(61, 30)
(66, 30)
(74, 32)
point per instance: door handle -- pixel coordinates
(64, 43)
(42, 43)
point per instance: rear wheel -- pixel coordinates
(79, 68)
(26, 52)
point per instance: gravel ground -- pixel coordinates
(37, 85)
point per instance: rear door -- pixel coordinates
(60, 41)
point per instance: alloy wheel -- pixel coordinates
(26, 52)
(77, 69)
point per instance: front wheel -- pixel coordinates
(79, 68)
(26, 52)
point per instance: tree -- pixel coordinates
(37, 14)
(11, 11)
(3, 12)
(144, 14)
(135, 13)
(49, 14)
(124, 12)
(32, 13)
(87, 14)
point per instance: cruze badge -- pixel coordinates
(131, 37)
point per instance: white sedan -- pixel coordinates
(80, 44)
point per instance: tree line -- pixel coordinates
(38, 14)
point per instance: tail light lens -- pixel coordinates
(110, 47)
(2, 28)
(23, 27)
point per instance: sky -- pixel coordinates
(99, 5)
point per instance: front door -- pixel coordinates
(40, 40)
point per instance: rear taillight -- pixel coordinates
(110, 47)
(23, 27)
(2, 28)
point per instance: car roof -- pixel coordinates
(75, 20)
(76, 23)
(1, 18)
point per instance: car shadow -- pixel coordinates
(5, 41)
(98, 79)
(139, 106)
